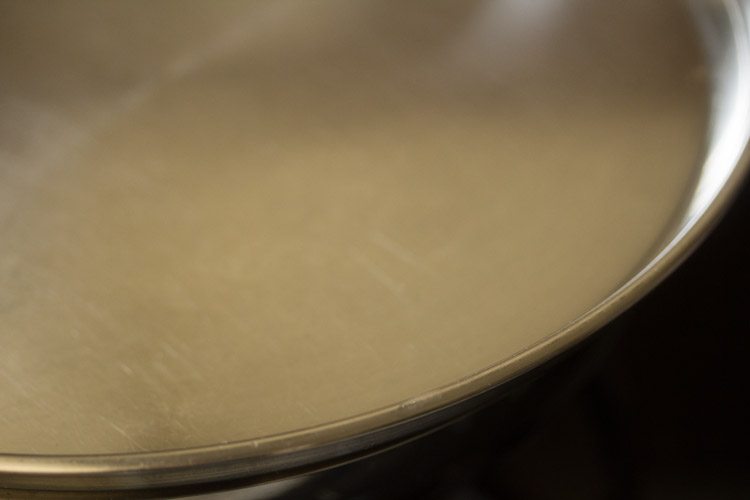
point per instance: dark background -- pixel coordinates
(668, 415)
(660, 409)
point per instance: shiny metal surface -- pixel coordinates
(239, 237)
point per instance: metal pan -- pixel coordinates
(246, 239)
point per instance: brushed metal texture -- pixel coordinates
(241, 237)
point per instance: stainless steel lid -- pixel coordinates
(243, 237)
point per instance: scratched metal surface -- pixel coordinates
(236, 222)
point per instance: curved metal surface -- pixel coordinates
(102, 452)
